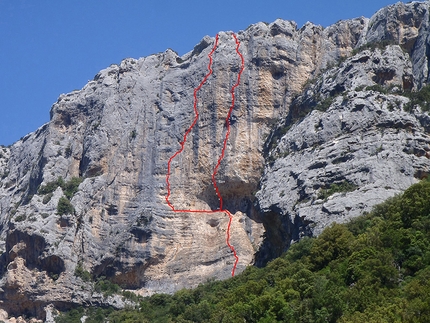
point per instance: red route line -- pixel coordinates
(182, 143)
(227, 121)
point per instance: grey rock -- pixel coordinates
(118, 133)
(352, 135)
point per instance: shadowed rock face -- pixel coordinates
(118, 133)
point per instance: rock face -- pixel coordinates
(347, 143)
(354, 149)
(86, 192)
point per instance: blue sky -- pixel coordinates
(49, 47)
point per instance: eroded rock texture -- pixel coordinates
(118, 133)
(347, 142)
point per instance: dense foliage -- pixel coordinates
(373, 269)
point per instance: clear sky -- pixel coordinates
(49, 47)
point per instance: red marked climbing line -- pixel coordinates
(227, 134)
(196, 113)
(227, 121)
(182, 143)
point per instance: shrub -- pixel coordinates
(47, 198)
(69, 188)
(72, 316)
(343, 187)
(421, 98)
(20, 218)
(377, 88)
(133, 134)
(107, 287)
(372, 46)
(131, 296)
(324, 104)
(49, 187)
(64, 206)
(32, 218)
(68, 151)
(375, 269)
(82, 273)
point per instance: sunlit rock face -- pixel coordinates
(118, 133)
(352, 138)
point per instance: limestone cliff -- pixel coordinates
(86, 192)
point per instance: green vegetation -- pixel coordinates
(323, 105)
(51, 186)
(133, 134)
(377, 88)
(32, 218)
(69, 188)
(343, 187)
(127, 295)
(421, 97)
(95, 315)
(392, 88)
(64, 206)
(102, 285)
(106, 287)
(278, 134)
(20, 218)
(47, 198)
(373, 269)
(68, 151)
(372, 46)
(82, 273)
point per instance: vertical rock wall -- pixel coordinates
(117, 135)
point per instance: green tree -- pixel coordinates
(64, 206)
(334, 242)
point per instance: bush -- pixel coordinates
(372, 46)
(68, 151)
(131, 296)
(377, 88)
(421, 98)
(64, 206)
(47, 198)
(343, 187)
(49, 187)
(82, 273)
(72, 316)
(107, 287)
(20, 218)
(69, 188)
(133, 134)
